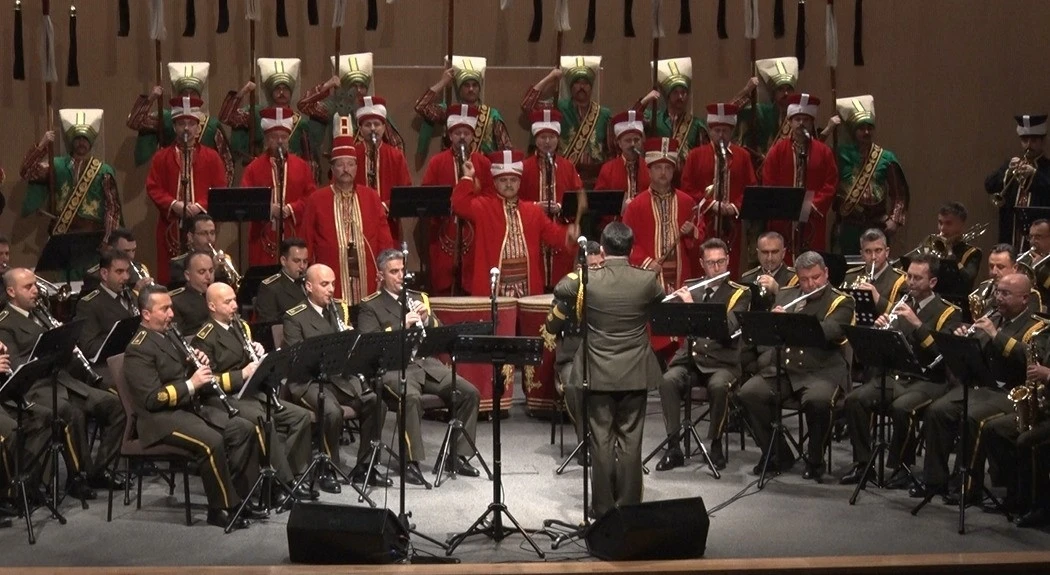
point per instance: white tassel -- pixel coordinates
(47, 60)
(157, 28)
(504, 4)
(561, 12)
(338, 13)
(831, 38)
(751, 26)
(252, 10)
(658, 23)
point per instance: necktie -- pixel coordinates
(709, 292)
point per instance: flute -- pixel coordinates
(803, 297)
(704, 283)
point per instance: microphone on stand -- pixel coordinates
(282, 154)
(404, 249)
(582, 242)
(493, 279)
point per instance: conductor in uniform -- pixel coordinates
(621, 365)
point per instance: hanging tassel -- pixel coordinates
(778, 19)
(561, 15)
(685, 20)
(123, 18)
(338, 13)
(157, 28)
(858, 33)
(47, 53)
(588, 36)
(73, 70)
(800, 35)
(504, 4)
(311, 13)
(658, 22)
(191, 20)
(20, 56)
(751, 19)
(723, 33)
(628, 19)
(831, 36)
(282, 19)
(537, 21)
(372, 21)
(224, 17)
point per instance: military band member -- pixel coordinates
(1022, 181)
(509, 231)
(290, 179)
(167, 171)
(951, 225)
(1001, 263)
(771, 274)
(381, 311)
(189, 302)
(764, 123)
(344, 224)
(814, 375)
(705, 361)
(85, 186)
(283, 290)
(802, 161)
(626, 171)
(21, 323)
(107, 304)
(675, 119)
(314, 317)
(886, 283)
(872, 191)
(1038, 249)
(224, 339)
(35, 433)
(201, 236)
(1019, 453)
(662, 218)
(188, 80)
(1004, 337)
(920, 314)
(123, 241)
(175, 407)
(383, 166)
(467, 76)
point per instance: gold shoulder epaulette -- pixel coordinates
(177, 291)
(796, 286)
(180, 257)
(753, 270)
(90, 296)
(371, 296)
(139, 337)
(296, 309)
(205, 330)
(738, 286)
(93, 270)
(4, 314)
(855, 269)
(791, 269)
(272, 278)
(899, 271)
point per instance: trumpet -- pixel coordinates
(999, 198)
(892, 316)
(49, 290)
(864, 278)
(191, 358)
(973, 327)
(232, 274)
(49, 321)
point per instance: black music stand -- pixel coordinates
(425, 202)
(443, 340)
(779, 330)
(117, 340)
(240, 205)
(951, 284)
(600, 204)
(262, 332)
(689, 320)
(866, 312)
(1023, 218)
(965, 358)
(251, 280)
(837, 266)
(497, 350)
(885, 350)
(67, 252)
(316, 359)
(15, 389)
(773, 203)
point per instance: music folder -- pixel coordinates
(117, 339)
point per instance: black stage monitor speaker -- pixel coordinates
(669, 529)
(323, 534)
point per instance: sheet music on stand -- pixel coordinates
(865, 309)
(117, 339)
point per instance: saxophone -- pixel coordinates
(1030, 398)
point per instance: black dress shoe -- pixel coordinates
(78, 488)
(1037, 517)
(278, 497)
(329, 484)
(5, 522)
(105, 480)
(717, 457)
(414, 475)
(671, 459)
(899, 480)
(852, 477)
(814, 472)
(376, 479)
(771, 468)
(923, 491)
(973, 497)
(463, 467)
(304, 493)
(220, 518)
(583, 459)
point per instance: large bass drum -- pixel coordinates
(538, 380)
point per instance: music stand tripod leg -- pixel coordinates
(779, 431)
(878, 453)
(448, 444)
(267, 480)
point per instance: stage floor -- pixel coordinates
(791, 517)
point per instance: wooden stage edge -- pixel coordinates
(999, 563)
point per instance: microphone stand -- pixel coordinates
(185, 180)
(282, 170)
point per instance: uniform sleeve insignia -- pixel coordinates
(90, 296)
(737, 286)
(272, 279)
(573, 275)
(176, 292)
(204, 331)
(139, 338)
(296, 309)
(162, 396)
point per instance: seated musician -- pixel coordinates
(1004, 335)
(920, 313)
(225, 340)
(108, 303)
(1039, 249)
(317, 316)
(283, 290)
(1019, 450)
(814, 375)
(705, 361)
(189, 301)
(381, 311)
(34, 433)
(175, 405)
(951, 225)
(22, 321)
(123, 241)
(771, 274)
(884, 281)
(200, 237)
(1002, 261)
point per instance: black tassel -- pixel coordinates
(124, 18)
(282, 19)
(588, 36)
(721, 22)
(537, 21)
(373, 16)
(778, 19)
(800, 36)
(685, 21)
(20, 57)
(858, 33)
(191, 20)
(224, 17)
(311, 12)
(73, 70)
(628, 19)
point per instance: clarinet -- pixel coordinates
(254, 357)
(50, 321)
(133, 307)
(335, 311)
(174, 334)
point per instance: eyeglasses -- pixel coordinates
(720, 262)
